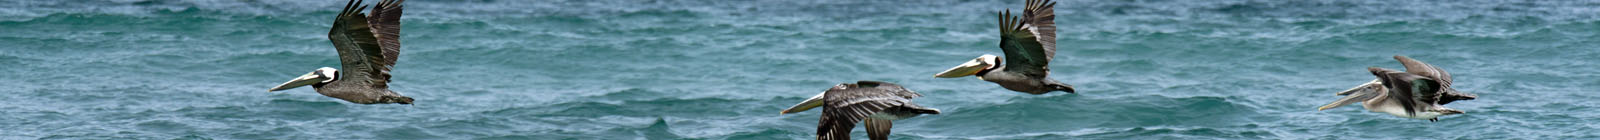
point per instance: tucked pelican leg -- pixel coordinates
(396, 99)
(1058, 86)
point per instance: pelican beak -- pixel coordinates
(970, 68)
(308, 79)
(814, 102)
(1358, 94)
(1375, 82)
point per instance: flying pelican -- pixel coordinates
(878, 103)
(1420, 92)
(1029, 44)
(368, 47)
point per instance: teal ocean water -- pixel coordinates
(720, 69)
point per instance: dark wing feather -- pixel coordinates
(1029, 42)
(878, 129)
(1409, 88)
(385, 24)
(830, 128)
(1040, 19)
(846, 104)
(367, 45)
(1417, 67)
(357, 47)
(887, 87)
(1439, 75)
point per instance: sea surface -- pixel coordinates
(722, 69)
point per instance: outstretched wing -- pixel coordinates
(1426, 70)
(889, 88)
(832, 128)
(847, 104)
(1409, 88)
(1029, 42)
(362, 53)
(1439, 75)
(385, 23)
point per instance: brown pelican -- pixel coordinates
(1029, 44)
(1420, 92)
(368, 47)
(878, 103)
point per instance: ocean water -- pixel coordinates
(721, 69)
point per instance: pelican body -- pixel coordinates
(368, 47)
(1029, 43)
(876, 103)
(1420, 92)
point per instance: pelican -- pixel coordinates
(368, 47)
(1420, 92)
(1029, 44)
(878, 103)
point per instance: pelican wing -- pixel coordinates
(1410, 89)
(878, 129)
(886, 87)
(385, 22)
(1426, 70)
(363, 41)
(1439, 75)
(1030, 41)
(847, 104)
(831, 128)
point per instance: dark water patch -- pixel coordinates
(275, 64)
(516, 57)
(16, 61)
(658, 130)
(163, 126)
(1142, 132)
(665, 14)
(475, 126)
(768, 134)
(192, 137)
(1205, 111)
(513, 137)
(17, 120)
(274, 133)
(705, 107)
(98, 94)
(214, 113)
(292, 109)
(1070, 112)
(405, 132)
(631, 94)
(652, 31)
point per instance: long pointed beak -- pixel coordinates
(965, 69)
(1358, 94)
(303, 80)
(1375, 82)
(814, 102)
